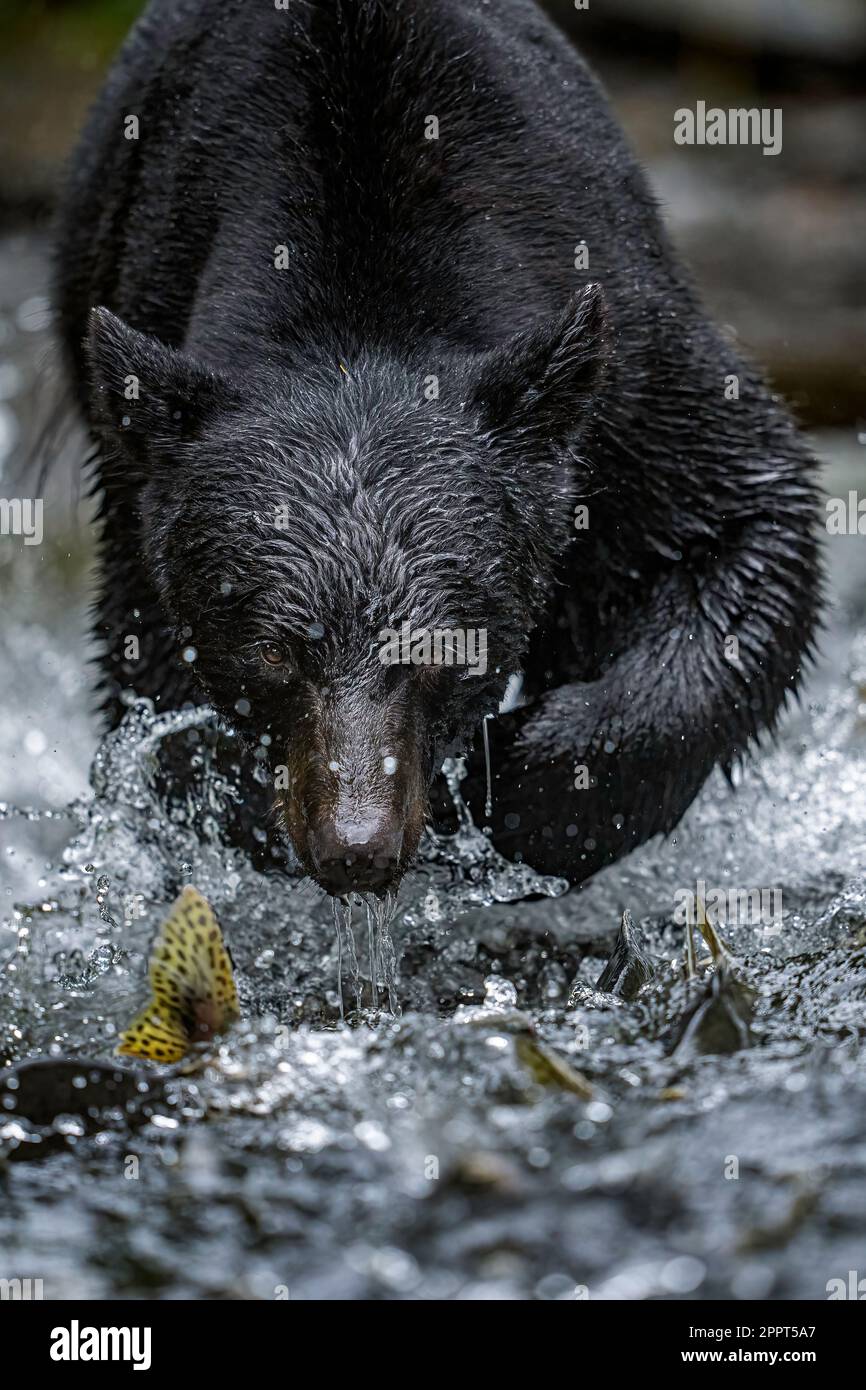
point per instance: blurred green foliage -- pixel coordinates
(79, 32)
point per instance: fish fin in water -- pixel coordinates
(191, 980)
(157, 1038)
(189, 964)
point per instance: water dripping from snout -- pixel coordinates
(373, 947)
(380, 915)
(382, 955)
(343, 925)
(337, 907)
(488, 803)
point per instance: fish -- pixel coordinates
(629, 968)
(720, 1021)
(193, 995)
(721, 954)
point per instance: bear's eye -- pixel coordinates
(273, 653)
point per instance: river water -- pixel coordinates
(397, 1133)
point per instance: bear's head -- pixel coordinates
(356, 550)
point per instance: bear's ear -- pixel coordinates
(542, 380)
(151, 396)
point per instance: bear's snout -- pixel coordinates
(356, 857)
(356, 800)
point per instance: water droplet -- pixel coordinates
(499, 993)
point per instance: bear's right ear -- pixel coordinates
(150, 396)
(541, 381)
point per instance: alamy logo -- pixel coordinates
(20, 1290)
(22, 516)
(729, 907)
(738, 126)
(852, 1288)
(437, 646)
(77, 1343)
(846, 518)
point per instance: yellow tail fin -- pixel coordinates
(192, 985)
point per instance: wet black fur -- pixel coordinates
(411, 258)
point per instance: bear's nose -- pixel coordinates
(359, 858)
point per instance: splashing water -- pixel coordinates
(381, 956)
(371, 1128)
(129, 852)
(424, 1112)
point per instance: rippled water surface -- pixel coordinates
(423, 1130)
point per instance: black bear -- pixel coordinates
(319, 295)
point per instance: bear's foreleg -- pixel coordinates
(589, 771)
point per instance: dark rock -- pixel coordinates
(40, 1091)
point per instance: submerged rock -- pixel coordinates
(41, 1091)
